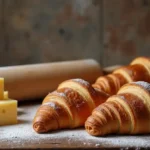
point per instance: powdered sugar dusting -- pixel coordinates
(23, 136)
(82, 81)
(59, 93)
(145, 85)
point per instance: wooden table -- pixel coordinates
(23, 136)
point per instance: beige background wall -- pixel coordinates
(110, 31)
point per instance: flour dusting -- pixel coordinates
(23, 136)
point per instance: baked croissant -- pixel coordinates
(68, 106)
(128, 112)
(138, 70)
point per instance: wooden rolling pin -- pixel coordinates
(36, 81)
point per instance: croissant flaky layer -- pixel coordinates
(68, 106)
(138, 70)
(74, 100)
(128, 112)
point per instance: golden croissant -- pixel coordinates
(68, 106)
(138, 70)
(73, 101)
(128, 112)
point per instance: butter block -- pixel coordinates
(8, 112)
(1, 88)
(6, 95)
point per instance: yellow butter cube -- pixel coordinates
(1, 88)
(8, 112)
(6, 95)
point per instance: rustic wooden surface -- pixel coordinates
(110, 31)
(23, 136)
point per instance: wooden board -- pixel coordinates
(23, 136)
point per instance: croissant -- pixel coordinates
(128, 112)
(138, 70)
(68, 106)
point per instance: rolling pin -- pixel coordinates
(35, 81)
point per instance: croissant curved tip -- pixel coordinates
(92, 130)
(39, 128)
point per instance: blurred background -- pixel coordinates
(110, 31)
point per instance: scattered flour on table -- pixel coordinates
(22, 135)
